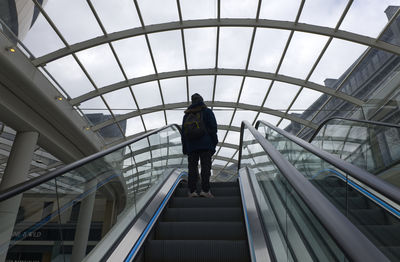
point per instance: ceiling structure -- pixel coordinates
(131, 66)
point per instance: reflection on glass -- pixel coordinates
(374, 148)
(295, 233)
(371, 215)
(92, 200)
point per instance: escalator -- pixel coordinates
(129, 203)
(369, 202)
(200, 229)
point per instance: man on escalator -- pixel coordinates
(199, 139)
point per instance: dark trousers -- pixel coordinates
(205, 162)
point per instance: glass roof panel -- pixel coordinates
(226, 152)
(243, 115)
(167, 51)
(41, 39)
(147, 94)
(305, 99)
(233, 138)
(202, 85)
(223, 115)
(200, 47)
(134, 56)
(174, 116)
(272, 9)
(101, 65)
(72, 29)
(339, 56)
(174, 90)
(154, 120)
(117, 15)
(234, 47)
(328, 14)
(70, 76)
(281, 95)
(221, 134)
(158, 11)
(227, 88)
(120, 101)
(367, 18)
(310, 45)
(269, 118)
(219, 162)
(195, 9)
(239, 8)
(94, 106)
(134, 125)
(266, 54)
(254, 90)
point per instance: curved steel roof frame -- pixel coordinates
(217, 71)
(223, 22)
(145, 30)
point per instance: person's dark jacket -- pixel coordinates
(207, 142)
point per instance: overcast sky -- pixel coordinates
(76, 22)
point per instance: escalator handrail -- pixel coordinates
(348, 237)
(24, 186)
(350, 120)
(388, 190)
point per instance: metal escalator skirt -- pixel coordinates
(142, 227)
(257, 243)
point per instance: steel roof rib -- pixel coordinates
(281, 60)
(116, 58)
(223, 22)
(215, 104)
(218, 71)
(243, 80)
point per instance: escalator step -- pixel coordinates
(186, 202)
(201, 231)
(197, 251)
(203, 214)
(224, 184)
(218, 191)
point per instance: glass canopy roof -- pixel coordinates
(131, 66)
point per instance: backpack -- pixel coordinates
(193, 126)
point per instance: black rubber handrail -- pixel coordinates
(348, 237)
(24, 186)
(351, 120)
(390, 191)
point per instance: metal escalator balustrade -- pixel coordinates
(370, 145)
(368, 202)
(66, 213)
(301, 223)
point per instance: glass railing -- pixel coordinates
(373, 146)
(372, 213)
(64, 218)
(294, 232)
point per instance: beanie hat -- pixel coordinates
(196, 98)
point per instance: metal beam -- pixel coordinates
(226, 22)
(229, 105)
(218, 71)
